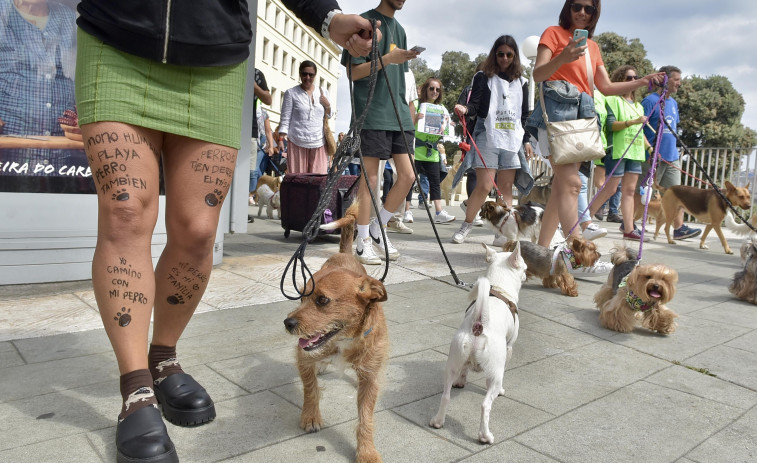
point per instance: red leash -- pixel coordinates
(473, 142)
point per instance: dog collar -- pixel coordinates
(366, 333)
(508, 214)
(635, 301)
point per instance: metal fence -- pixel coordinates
(738, 165)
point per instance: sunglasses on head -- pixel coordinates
(307, 74)
(630, 78)
(509, 54)
(588, 9)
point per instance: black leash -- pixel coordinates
(346, 149)
(707, 177)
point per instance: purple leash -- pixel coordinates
(650, 174)
(608, 176)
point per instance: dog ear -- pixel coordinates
(515, 260)
(729, 186)
(371, 290)
(490, 253)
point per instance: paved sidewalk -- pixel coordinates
(575, 392)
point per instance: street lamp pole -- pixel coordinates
(529, 46)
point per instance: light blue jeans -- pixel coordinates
(583, 202)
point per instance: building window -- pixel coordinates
(277, 20)
(268, 14)
(284, 62)
(266, 56)
(293, 68)
(275, 58)
(286, 27)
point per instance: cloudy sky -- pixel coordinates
(702, 37)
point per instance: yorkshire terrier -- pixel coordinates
(636, 293)
(519, 222)
(744, 285)
(551, 265)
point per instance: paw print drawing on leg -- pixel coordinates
(121, 195)
(214, 198)
(123, 318)
(175, 299)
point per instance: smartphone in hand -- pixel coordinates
(418, 49)
(580, 35)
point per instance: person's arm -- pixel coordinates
(414, 114)
(396, 56)
(350, 31)
(286, 117)
(271, 145)
(264, 95)
(478, 89)
(547, 64)
(324, 100)
(524, 113)
(604, 85)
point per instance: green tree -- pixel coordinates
(618, 51)
(421, 71)
(711, 111)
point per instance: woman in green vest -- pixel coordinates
(624, 119)
(431, 121)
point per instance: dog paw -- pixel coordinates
(437, 422)
(704, 246)
(311, 423)
(368, 456)
(459, 384)
(486, 437)
(728, 251)
(502, 392)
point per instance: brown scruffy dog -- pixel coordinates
(577, 251)
(636, 293)
(744, 285)
(342, 319)
(706, 205)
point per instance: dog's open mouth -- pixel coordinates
(654, 294)
(317, 341)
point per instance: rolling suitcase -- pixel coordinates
(300, 194)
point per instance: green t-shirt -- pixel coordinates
(422, 153)
(625, 111)
(381, 115)
(601, 110)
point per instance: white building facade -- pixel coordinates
(283, 42)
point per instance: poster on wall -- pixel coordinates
(41, 148)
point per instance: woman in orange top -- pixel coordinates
(560, 58)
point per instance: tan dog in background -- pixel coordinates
(342, 320)
(706, 206)
(274, 183)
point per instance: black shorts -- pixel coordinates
(383, 144)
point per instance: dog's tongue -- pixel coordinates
(304, 342)
(655, 294)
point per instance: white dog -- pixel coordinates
(268, 199)
(485, 339)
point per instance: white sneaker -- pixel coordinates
(499, 240)
(365, 253)
(408, 217)
(477, 222)
(599, 269)
(443, 217)
(396, 226)
(460, 235)
(464, 206)
(375, 234)
(593, 231)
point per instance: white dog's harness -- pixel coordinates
(478, 327)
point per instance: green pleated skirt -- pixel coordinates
(203, 103)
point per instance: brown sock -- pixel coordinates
(136, 392)
(162, 362)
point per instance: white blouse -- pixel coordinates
(302, 118)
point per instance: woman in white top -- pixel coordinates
(301, 125)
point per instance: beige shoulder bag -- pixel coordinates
(577, 140)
